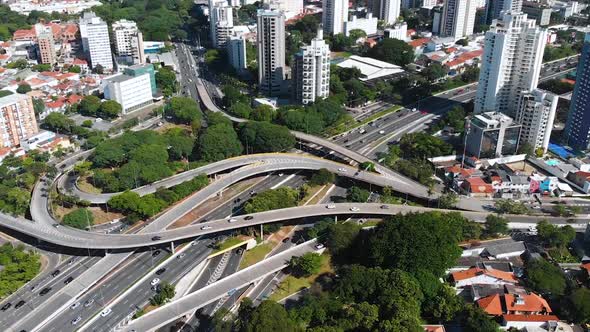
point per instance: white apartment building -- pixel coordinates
(17, 120)
(221, 22)
(367, 24)
(270, 42)
(128, 40)
(236, 51)
(458, 18)
(334, 14)
(389, 11)
(45, 44)
(511, 63)
(95, 41)
(290, 8)
(311, 72)
(398, 31)
(536, 113)
(131, 92)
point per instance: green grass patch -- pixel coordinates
(352, 124)
(291, 284)
(562, 255)
(228, 243)
(255, 255)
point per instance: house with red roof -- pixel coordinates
(477, 187)
(515, 304)
(486, 275)
(24, 35)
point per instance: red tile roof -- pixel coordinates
(80, 62)
(464, 58)
(418, 42)
(583, 174)
(491, 304)
(478, 186)
(73, 99)
(54, 104)
(476, 271)
(24, 34)
(532, 303)
(530, 318)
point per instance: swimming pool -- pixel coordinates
(552, 162)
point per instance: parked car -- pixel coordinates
(6, 306)
(68, 280)
(106, 312)
(19, 304)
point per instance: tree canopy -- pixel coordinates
(219, 142)
(266, 137)
(272, 199)
(393, 51)
(79, 218)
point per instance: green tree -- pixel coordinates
(268, 316)
(422, 145)
(555, 236)
(339, 237)
(306, 265)
(356, 194)
(4, 93)
(59, 122)
(219, 142)
(179, 145)
(89, 105)
(545, 278)
(393, 51)
(272, 199)
(322, 177)
(165, 293)
(75, 69)
(462, 42)
(266, 137)
(448, 200)
(495, 226)
(263, 113)
(79, 218)
(474, 319)
(241, 110)
(166, 81)
(434, 72)
(184, 110)
(87, 123)
(42, 67)
(510, 206)
(109, 109)
(23, 88)
(579, 305)
(444, 305)
(38, 105)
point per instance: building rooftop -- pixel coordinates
(371, 68)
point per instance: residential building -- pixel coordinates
(539, 12)
(397, 31)
(290, 8)
(437, 20)
(577, 128)
(128, 41)
(45, 44)
(18, 120)
(511, 63)
(536, 112)
(334, 14)
(515, 304)
(372, 69)
(236, 52)
(492, 135)
(270, 42)
(311, 72)
(95, 41)
(367, 24)
(495, 249)
(131, 92)
(389, 11)
(581, 179)
(141, 69)
(494, 9)
(478, 276)
(458, 18)
(221, 22)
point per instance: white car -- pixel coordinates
(319, 246)
(342, 169)
(75, 305)
(106, 312)
(89, 303)
(181, 256)
(330, 206)
(206, 227)
(232, 220)
(76, 320)
(155, 281)
(354, 209)
(382, 132)
(193, 243)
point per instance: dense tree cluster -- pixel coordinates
(393, 51)
(166, 81)
(164, 294)
(545, 278)
(19, 266)
(312, 119)
(357, 194)
(265, 137)
(218, 142)
(93, 106)
(510, 206)
(184, 110)
(306, 265)
(140, 207)
(272, 199)
(322, 177)
(555, 236)
(455, 119)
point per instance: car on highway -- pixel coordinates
(230, 220)
(106, 312)
(155, 281)
(56, 225)
(156, 238)
(45, 290)
(156, 253)
(330, 206)
(384, 207)
(6, 306)
(193, 243)
(89, 303)
(354, 209)
(248, 217)
(382, 132)
(75, 305)
(55, 273)
(285, 240)
(68, 280)
(181, 256)
(76, 320)
(342, 170)
(19, 304)
(160, 271)
(206, 228)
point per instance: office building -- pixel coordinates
(397, 31)
(389, 11)
(221, 22)
(511, 63)
(494, 9)
(132, 92)
(45, 44)
(270, 42)
(236, 52)
(334, 14)
(577, 128)
(311, 72)
(437, 20)
(537, 11)
(536, 112)
(95, 41)
(18, 120)
(141, 69)
(290, 8)
(128, 41)
(458, 18)
(367, 24)
(492, 135)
